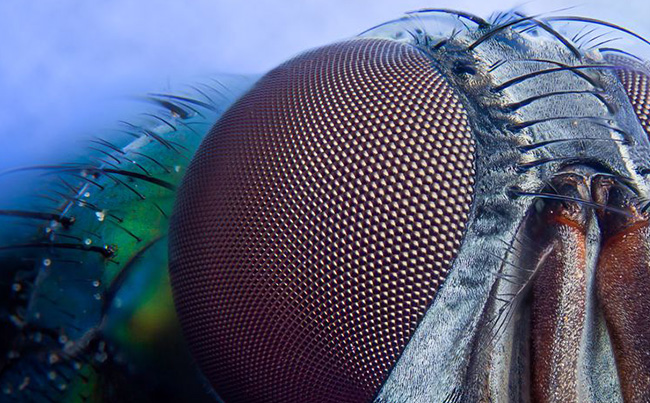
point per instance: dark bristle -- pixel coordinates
(108, 144)
(540, 144)
(48, 198)
(594, 38)
(525, 166)
(517, 105)
(628, 139)
(101, 161)
(528, 76)
(126, 185)
(454, 396)
(179, 146)
(134, 129)
(185, 100)
(606, 41)
(497, 64)
(38, 168)
(80, 167)
(498, 17)
(498, 29)
(461, 14)
(563, 198)
(597, 22)
(160, 209)
(63, 196)
(66, 222)
(159, 139)
(104, 251)
(67, 186)
(152, 159)
(383, 24)
(530, 28)
(520, 126)
(414, 36)
(115, 217)
(577, 37)
(555, 34)
(165, 121)
(578, 73)
(131, 234)
(506, 262)
(84, 203)
(95, 208)
(191, 108)
(205, 95)
(109, 155)
(145, 178)
(171, 107)
(224, 88)
(615, 50)
(440, 44)
(511, 278)
(143, 169)
(188, 127)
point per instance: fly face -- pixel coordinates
(423, 217)
(558, 140)
(443, 209)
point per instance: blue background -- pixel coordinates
(66, 66)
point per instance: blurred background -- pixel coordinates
(66, 66)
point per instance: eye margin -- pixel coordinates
(338, 124)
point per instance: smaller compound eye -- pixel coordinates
(317, 221)
(634, 76)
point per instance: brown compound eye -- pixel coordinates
(634, 75)
(317, 221)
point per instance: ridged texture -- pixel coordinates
(317, 221)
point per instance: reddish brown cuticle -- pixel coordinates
(558, 302)
(623, 287)
(317, 221)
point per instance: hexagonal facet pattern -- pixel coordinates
(317, 221)
(633, 75)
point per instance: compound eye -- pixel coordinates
(633, 75)
(317, 221)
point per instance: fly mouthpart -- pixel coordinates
(576, 269)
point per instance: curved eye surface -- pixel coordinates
(317, 221)
(634, 77)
